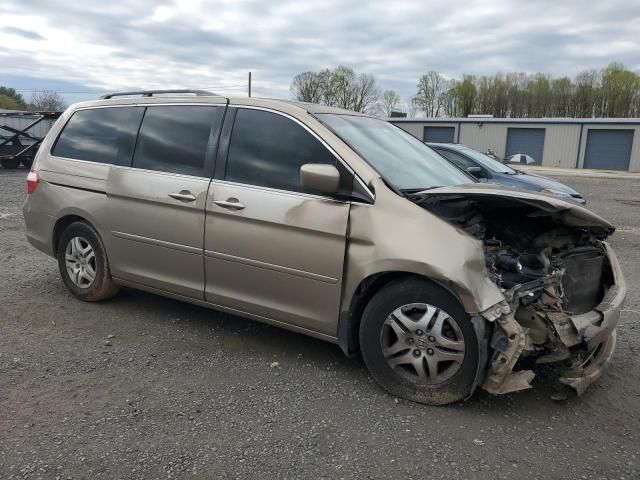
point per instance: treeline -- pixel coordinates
(612, 92)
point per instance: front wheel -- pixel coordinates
(419, 343)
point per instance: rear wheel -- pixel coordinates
(83, 264)
(419, 343)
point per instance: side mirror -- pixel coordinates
(476, 172)
(320, 176)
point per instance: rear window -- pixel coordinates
(174, 139)
(103, 135)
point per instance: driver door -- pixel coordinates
(273, 249)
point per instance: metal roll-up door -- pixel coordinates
(529, 141)
(608, 149)
(439, 134)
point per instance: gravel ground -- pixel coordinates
(146, 387)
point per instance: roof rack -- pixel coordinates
(151, 93)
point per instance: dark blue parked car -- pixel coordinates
(490, 170)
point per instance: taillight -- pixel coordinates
(33, 179)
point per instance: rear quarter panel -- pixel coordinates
(67, 187)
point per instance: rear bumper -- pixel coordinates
(39, 228)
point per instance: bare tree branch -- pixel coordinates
(307, 87)
(47, 100)
(390, 102)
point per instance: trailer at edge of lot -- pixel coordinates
(19, 142)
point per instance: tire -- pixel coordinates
(10, 162)
(415, 322)
(81, 251)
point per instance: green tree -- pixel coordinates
(465, 95)
(586, 92)
(341, 87)
(8, 102)
(538, 96)
(618, 91)
(429, 98)
(12, 100)
(450, 103)
(485, 101)
(500, 96)
(337, 91)
(562, 98)
(515, 84)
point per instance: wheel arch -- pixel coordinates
(349, 320)
(63, 222)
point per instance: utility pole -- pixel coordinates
(249, 83)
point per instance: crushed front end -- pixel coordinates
(561, 281)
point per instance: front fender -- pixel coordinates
(395, 235)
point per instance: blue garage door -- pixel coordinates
(529, 141)
(438, 134)
(608, 149)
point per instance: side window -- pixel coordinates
(458, 160)
(267, 149)
(174, 139)
(104, 135)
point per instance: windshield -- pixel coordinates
(402, 159)
(486, 161)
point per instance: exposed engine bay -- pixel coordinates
(553, 274)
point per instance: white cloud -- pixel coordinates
(213, 44)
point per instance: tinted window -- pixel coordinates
(174, 139)
(486, 161)
(268, 149)
(456, 159)
(105, 135)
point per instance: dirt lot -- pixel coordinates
(146, 387)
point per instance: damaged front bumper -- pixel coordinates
(592, 332)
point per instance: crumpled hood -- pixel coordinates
(571, 213)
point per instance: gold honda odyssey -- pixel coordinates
(333, 224)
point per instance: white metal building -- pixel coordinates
(602, 143)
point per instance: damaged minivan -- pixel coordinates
(333, 224)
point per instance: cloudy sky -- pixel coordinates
(82, 48)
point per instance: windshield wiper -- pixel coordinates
(420, 189)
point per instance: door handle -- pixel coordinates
(230, 203)
(184, 196)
